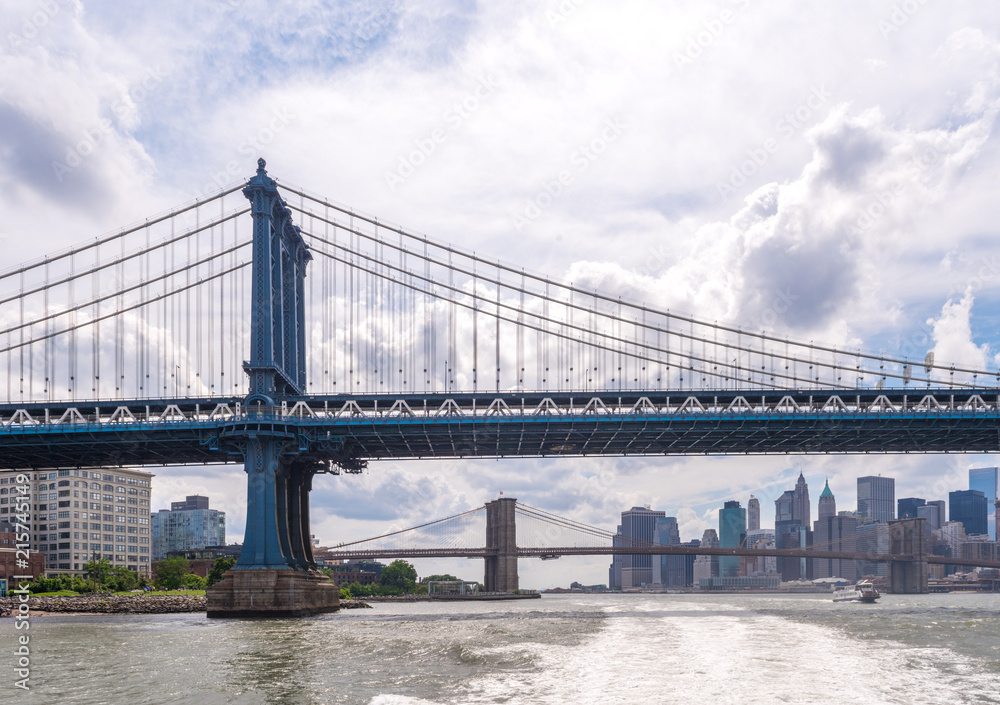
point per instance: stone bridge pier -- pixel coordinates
(908, 574)
(501, 535)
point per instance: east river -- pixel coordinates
(559, 649)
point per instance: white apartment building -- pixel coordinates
(82, 515)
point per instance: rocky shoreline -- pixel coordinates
(138, 603)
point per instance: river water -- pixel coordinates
(559, 649)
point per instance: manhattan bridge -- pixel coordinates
(196, 337)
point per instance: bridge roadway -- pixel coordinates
(347, 431)
(650, 551)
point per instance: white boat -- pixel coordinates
(862, 591)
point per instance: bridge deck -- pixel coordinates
(344, 428)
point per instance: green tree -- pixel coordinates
(170, 572)
(122, 579)
(399, 574)
(345, 593)
(99, 571)
(221, 565)
(191, 581)
(446, 576)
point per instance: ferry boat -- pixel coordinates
(862, 591)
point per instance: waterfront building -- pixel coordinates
(77, 516)
(753, 514)
(615, 570)
(907, 507)
(187, 526)
(876, 499)
(732, 531)
(827, 503)
(872, 537)
(800, 502)
(985, 480)
(637, 526)
(9, 567)
(835, 533)
(969, 508)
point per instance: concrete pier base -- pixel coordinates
(272, 593)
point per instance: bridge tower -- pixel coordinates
(907, 575)
(275, 573)
(501, 535)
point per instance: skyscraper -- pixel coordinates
(637, 526)
(732, 530)
(753, 514)
(800, 502)
(668, 571)
(985, 480)
(908, 506)
(969, 508)
(827, 503)
(876, 499)
(783, 506)
(932, 512)
(835, 533)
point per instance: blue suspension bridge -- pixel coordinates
(129, 349)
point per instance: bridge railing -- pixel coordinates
(578, 406)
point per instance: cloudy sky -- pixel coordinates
(828, 170)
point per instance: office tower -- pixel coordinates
(615, 571)
(985, 480)
(931, 512)
(996, 515)
(82, 515)
(665, 533)
(800, 502)
(707, 566)
(732, 530)
(791, 534)
(876, 499)
(969, 508)
(942, 508)
(783, 506)
(827, 503)
(908, 506)
(637, 527)
(872, 537)
(753, 514)
(835, 533)
(186, 526)
(760, 565)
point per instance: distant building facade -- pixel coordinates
(732, 531)
(753, 514)
(985, 480)
(907, 508)
(969, 508)
(638, 525)
(187, 526)
(876, 499)
(827, 503)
